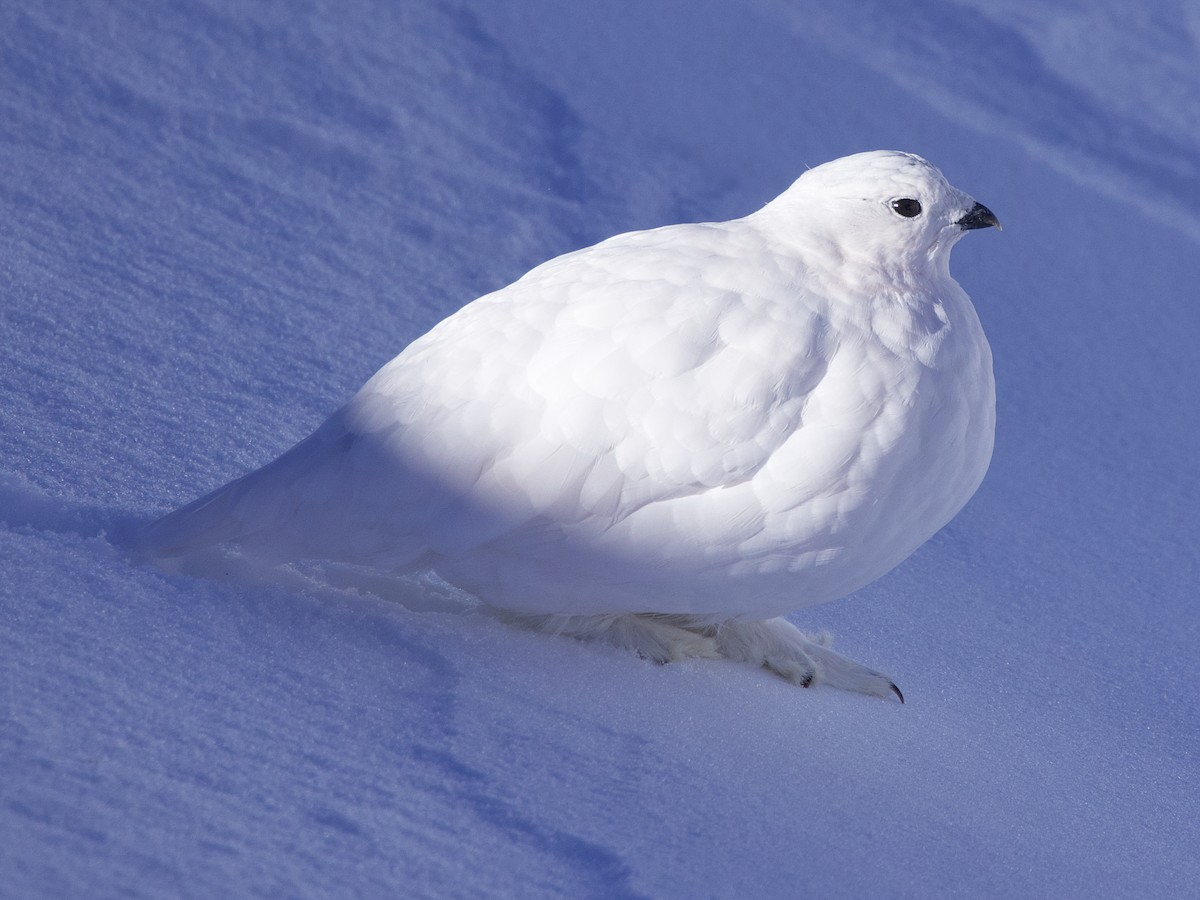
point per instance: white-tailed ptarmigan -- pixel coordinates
(668, 440)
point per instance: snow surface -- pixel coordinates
(219, 219)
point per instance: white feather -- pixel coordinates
(722, 422)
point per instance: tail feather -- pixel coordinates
(256, 512)
(207, 522)
(337, 496)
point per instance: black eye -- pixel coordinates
(907, 207)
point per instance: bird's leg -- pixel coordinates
(779, 646)
(651, 637)
(775, 644)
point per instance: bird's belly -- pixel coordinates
(763, 547)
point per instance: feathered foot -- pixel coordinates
(775, 644)
(781, 647)
(652, 637)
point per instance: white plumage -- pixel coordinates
(669, 439)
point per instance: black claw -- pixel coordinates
(897, 691)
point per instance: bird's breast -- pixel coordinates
(681, 446)
(888, 444)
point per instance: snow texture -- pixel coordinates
(219, 219)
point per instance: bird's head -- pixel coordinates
(885, 207)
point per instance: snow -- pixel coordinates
(220, 219)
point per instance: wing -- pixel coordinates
(653, 366)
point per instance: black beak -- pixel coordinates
(979, 216)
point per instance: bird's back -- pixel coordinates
(603, 380)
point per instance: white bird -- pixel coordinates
(668, 440)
